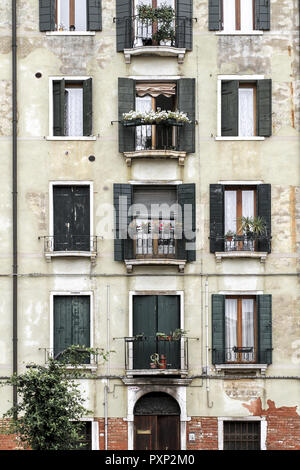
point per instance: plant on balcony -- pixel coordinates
(136, 118)
(178, 334)
(229, 235)
(163, 336)
(253, 226)
(163, 17)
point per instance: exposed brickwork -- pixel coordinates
(117, 434)
(206, 433)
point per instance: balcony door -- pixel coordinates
(154, 314)
(157, 423)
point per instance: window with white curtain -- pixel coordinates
(239, 202)
(74, 111)
(71, 15)
(238, 15)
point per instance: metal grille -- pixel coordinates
(241, 435)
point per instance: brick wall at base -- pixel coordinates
(205, 431)
(117, 434)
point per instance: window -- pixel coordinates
(86, 431)
(71, 323)
(149, 32)
(239, 16)
(245, 108)
(240, 218)
(242, 435)
(241, 329)
(72, 108)
(70, 16)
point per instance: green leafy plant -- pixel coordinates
(163, 17)
(178, 333)
(253, 225)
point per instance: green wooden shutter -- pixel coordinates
(264, 315)
(62, 217)
(123, 24)
(123, 245)
(264, 107)
(62, 323)
(81, 218)
(263, 209)
(59, 108)
(215, 15)
(168, 320)
(230, 108)
(94, 15)
(186, 246)
(87, 107)
(186, 104)
(218, 329)
(144, 321)
(262, 14)
(184, 24)
(47, 15)
(126, 97)
(81, 321)
(216, 224)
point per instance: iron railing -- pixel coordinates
(154, 238)
(244, 242)
(69, 242)
(146, 32)
(241, 355)
(154, 353)
(157, 137)
(83, 357)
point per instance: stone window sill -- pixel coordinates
(242, 367)
(164, 51)
(130, 263)
(70, 33)
(71, 137)
(155, 372)
(130, 156)
(240, 33)
(239, 138)
(240, 254)
(73, 254)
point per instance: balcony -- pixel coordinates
(85, 358)
(156, 357)
(242, 358)
(151, 38)
(243, 246)
(70, 246)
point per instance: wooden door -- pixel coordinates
(157, 432)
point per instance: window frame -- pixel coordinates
(94, 432)
(239, 78)
(67, 78)
(263, 429)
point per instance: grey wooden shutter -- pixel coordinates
(186, 246)
(94, 15)
(126, 103)
(59, 107)
(262, 14)
(218, 329)
(184, 24)
(215, 15)
(47, 15)
(123, 24)
(123, 245)
(263, 209)
(216, 209)
(264, 107)
(186, 104)
(87, 107)
(230, 108)
(264, 316)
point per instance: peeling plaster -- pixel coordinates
(255, 407)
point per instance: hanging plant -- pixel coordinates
(155, 117)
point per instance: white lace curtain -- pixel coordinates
(246, 15)
(63, 7)
(231, 223)
(74, 111)
(246, 112)
(231, 328)
(143, 132)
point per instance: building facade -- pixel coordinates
(198, 298)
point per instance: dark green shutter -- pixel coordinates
(123, 245)
(214, 15)
(184, 24)
(186, 104)
(262, 14)
(263, 209)
(123, 24)
(230, 108)
(94, 15)
(168, 320)
(87, 107)
(216, 224)
(264, 316)
(47, 15)
(81, 218)
(71, 322)
(218, 329)
(264, 107)
(144, 321)
(59, 108)
(126, 100)
(186, 246)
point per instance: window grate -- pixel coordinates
(241, 435)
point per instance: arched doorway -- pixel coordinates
(156, 422)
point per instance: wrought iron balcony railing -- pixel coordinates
(244, 242)
(70, 243)
(82, 356)
(152, 353)
(242, 355)
(154, 238)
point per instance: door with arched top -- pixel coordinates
(157, 422)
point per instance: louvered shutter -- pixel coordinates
(184, 24)
(230, 108)
(262, 14)
(123, 244)
(186, 246)
(264, 107)
(94, 15)
(216, 209)
(186, 104)
(87, 107)
(168, 320)
(59, 108)
(126, 100)
(123, 24)
(264, 315)
(62, 323)
(144, 321)
(263, 209)
(47, 15)
(81, 218)
(218, 329)
(214, 15)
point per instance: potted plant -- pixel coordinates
(178, 333)
(154, 358)
(253, 226)
(229, 236)
(139, 337)
(163, 337)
